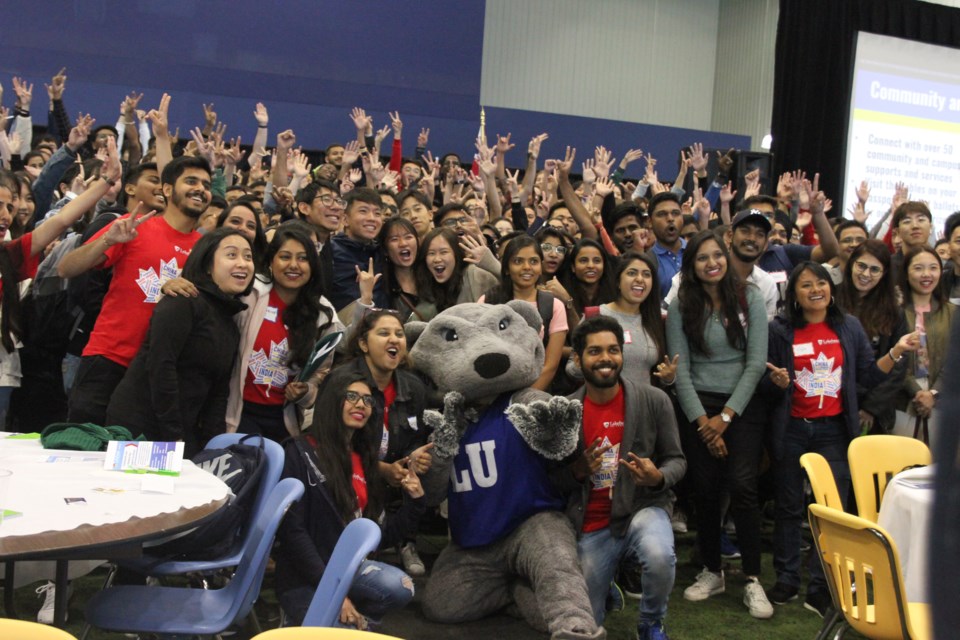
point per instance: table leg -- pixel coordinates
(60, 600)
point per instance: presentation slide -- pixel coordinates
(904, 125)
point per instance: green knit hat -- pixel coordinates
(82, 437)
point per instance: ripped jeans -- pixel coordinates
(377, 589)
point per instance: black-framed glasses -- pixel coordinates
(863, 267)
(558, 249)
(329, 201)
(354, 397)
(452, 223)
(390, 210)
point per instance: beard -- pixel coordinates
(188, 206)
(601, 381)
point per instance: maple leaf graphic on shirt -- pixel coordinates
(822, 380)
(270, 370)
(150, 282)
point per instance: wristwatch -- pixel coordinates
(726, 417)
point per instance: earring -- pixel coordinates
(796, 306)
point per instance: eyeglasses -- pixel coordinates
(390, 210)
(547, 247)
(863, 267)
(329, 201)
(450, 223)
(353, 398)
(858, 240)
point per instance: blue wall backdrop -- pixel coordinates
(309, 61)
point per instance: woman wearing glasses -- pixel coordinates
(337, 463)
(555, 245)
(867, 292)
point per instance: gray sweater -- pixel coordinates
(650, 431)
(727, 371)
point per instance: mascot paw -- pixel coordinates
(448, 428)
(550, 427)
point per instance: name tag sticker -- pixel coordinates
(627, 338)
(271, 314)
(778, 276)
(805, 349)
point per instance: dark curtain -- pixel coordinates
(816, 43)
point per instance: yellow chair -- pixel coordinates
(863, 562)
(821, 480)
(24, 630)
(876, 459)
(320, 633)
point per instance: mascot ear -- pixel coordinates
(527, 311)
(413, 330)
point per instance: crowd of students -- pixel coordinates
(178, 290)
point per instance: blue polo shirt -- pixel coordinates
(668, 265)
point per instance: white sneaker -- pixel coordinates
(412, 563)
(708, 584)
(756, 601)
(678, 521)
(49, 592)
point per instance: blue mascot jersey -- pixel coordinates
(497, 481)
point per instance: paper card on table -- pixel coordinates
(144, 457)
(157, 484)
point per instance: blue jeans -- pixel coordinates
(649, 538)
(377, 589)
(829, 438)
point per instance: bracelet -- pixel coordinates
(895, 360)
(803, 210)
(261, 126)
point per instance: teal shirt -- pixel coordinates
(727, 370)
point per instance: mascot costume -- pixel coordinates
(496, 446)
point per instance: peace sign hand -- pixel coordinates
(667, 370)
(125, 229)
(591, 460)
(643, 471)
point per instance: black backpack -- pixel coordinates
(241, 467)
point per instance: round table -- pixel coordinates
(905, 512)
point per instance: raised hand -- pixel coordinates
(901, 194)
(752, 181)
(631, 156)
(57, 85)
(701, 206)
(698, 159)
(205, 148)
(351, 152)
(487, 167)
(513, 183)
(564, 166)
(233, 154)
(362, 122)
(533, 148)
(587, 171)
(209, 116)
(727, 194)
(158, 118)
(650, 172)
(603, 187)
(643, 471)
(355, 175)
(366, 280)
(301, 165)
(80, 132)
(863, 192)
(24, 93)
(397, 124)
(286, 140)
(503, 144)
(667, 370)
(129, 106)
(858, 213)
(785, 188)
(603, 160)
(423, 138)
(261, 115)
(473, 249)
(725, 162)
(389, 181)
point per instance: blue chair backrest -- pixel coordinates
(244, 588)
(359, 539)
(271, 475)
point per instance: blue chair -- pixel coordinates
(359, 539)
(175, 610)
(154, 566)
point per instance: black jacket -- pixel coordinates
(177, 385)
(311, 528)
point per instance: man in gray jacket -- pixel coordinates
(620, 498)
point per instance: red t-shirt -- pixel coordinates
(359, 481)
(140, 267)
(604, 421)
(267, 366)
(818, 364)
(23, 263)
(389, 395)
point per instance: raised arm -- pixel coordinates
(159, 120)
(576, 208)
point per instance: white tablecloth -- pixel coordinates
(44, 482)
(905, 513)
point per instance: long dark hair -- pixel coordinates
(937, 295)
(877, 311)
(259, 240)
(442, 295)
(10, 322)
(696, 304)
(547, 232)
(389, 278)
(792, 307)
(606, 286)
(503, 292)
(302, 315)
(650, 314)
(335, 441)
